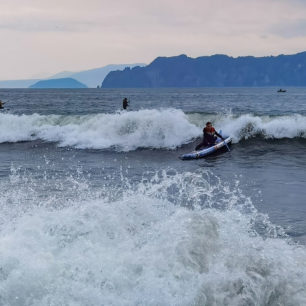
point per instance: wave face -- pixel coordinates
(126, 131)
(172, 239)
(248, 126)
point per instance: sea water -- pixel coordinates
(96, 208)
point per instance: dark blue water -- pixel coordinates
(260, 101)
(97, 208)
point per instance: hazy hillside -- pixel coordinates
(91, 77)
(59, 83)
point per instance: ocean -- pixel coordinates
(96, 208)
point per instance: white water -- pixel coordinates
(246, 126)
(126, 131)
(144, 247)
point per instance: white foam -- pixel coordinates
(146, 249)
(247, 126)
(126, 131)
(167, 128)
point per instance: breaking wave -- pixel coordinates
(126, 131)
(172, 239)
(248, 126)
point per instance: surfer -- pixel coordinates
(1, 104)
(209, 136)
(125, 103)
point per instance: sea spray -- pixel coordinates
(151, 129)
(123, 131)
(245, 126)
(170, 239)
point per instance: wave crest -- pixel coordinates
(126, 131)
(241, 127)
(159, 129)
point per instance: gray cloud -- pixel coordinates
(50, 36)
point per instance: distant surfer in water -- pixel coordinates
(209, 137)
(1, 104)
(125, 103)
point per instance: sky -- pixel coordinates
(42, 37)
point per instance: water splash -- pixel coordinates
(171, 239)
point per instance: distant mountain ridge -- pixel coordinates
(59, 83)
(213, 71)
(91, 77)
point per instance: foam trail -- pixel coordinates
(146, 248)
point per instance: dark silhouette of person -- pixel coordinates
(1, 104)
(125, 103)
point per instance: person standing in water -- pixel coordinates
(1, 104)
(209, 137)
(125, 103)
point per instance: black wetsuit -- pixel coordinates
(125, 103)
(209, 138)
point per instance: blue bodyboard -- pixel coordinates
(207, 150)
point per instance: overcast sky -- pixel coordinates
(43, 37)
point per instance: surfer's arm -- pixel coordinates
(219, 135)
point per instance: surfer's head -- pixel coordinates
(209, 128)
